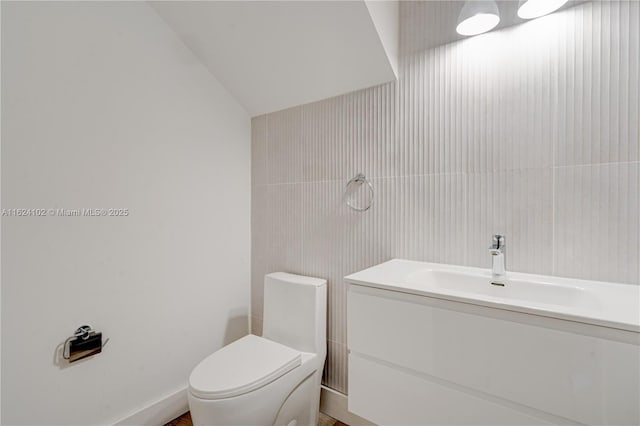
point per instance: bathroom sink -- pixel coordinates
(483, 285)
(594, 302)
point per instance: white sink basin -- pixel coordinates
(594, 302)
(483, 285)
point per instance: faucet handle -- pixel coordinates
(498, 241)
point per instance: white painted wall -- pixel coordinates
(104, 107)
(274, 55)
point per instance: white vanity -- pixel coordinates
(434, 344)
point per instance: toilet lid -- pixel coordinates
(242, 366)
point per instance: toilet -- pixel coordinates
(273, 379)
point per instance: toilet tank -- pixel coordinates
(295, 311)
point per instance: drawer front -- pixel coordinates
(390, 396)
(574, 376)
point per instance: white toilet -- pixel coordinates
(274, 379)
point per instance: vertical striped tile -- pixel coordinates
(598, 83)
(519, 205)
(324, 140)
(369, 132)
(597, 222)
(426, 218)
(325, 231)
(260, 227)
(259, 150)
(284, 228)
(284, 146)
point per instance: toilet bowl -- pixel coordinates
(273, 379)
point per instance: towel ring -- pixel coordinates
(358, 179)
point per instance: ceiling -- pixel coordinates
(272, 55)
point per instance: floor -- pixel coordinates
(185, 420)
(325, 420)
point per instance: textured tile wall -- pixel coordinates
(531, 131)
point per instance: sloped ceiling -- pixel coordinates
(273, 55)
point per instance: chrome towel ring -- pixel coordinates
(350, 189)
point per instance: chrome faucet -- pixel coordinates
(498, 255)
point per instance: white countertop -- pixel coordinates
(600, 303)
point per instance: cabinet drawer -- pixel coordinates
(391, 396)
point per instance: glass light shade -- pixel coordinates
(529, 9)
(477, 17)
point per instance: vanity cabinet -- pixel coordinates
(419, 360)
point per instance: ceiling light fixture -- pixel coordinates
(477, 17)
(529, 9)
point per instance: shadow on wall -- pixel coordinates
(237, 325)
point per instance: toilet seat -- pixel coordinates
(241, 367)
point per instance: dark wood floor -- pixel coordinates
(185, 420)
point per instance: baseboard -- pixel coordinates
(160, 412)
(334, 404)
